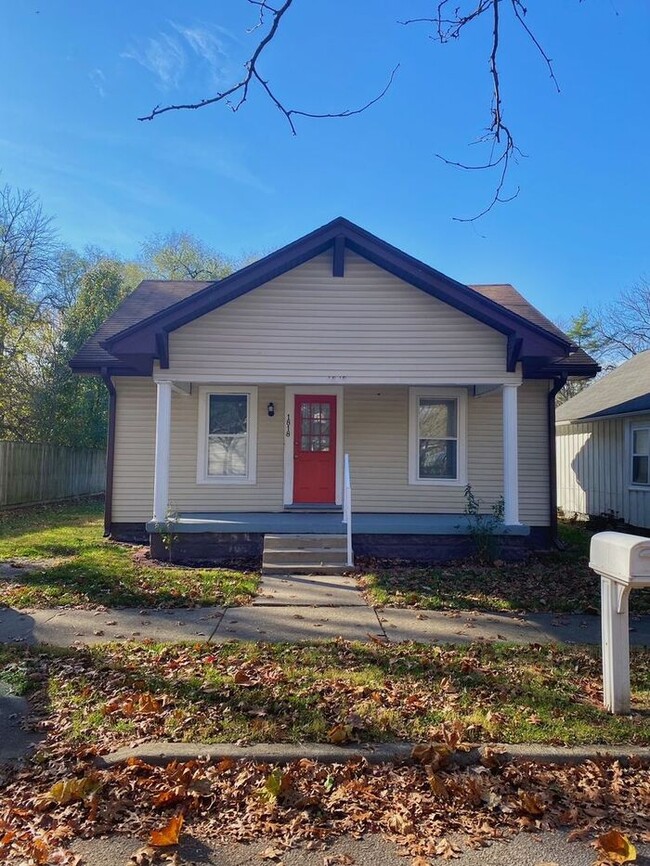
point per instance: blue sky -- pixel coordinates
(78, 74)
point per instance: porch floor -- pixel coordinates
(321, 523)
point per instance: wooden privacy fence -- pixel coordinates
(32, 473)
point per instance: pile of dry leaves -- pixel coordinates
(422, 805)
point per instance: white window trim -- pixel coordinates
(202, 476)
(458, 394)
(289, 423)
(636, 485)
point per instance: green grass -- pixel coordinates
(559, 581)
(75, 565)
(245, 692)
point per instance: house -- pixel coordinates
(603, 446)
(335, 375)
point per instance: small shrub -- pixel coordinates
(484, 528)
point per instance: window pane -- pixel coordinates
(641, 442)
(437, 418)
(437, 458)
(640, 470)
(228, 413)
(227, 455)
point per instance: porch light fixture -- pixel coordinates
(270, 409)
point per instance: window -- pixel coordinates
(227, 435)
(641, 455)
(437, 437)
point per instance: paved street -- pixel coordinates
(526, 849)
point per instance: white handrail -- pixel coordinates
(347, 506)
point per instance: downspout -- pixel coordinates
(560, 382)
(110, 451)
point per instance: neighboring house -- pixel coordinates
(603, 446)
(235, 403)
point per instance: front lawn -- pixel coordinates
(559, 581)
(74, 565)
(114, 695)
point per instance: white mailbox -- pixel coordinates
(624, 558)
(623, 563)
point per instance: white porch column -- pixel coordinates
(163, 438)
(510, 456)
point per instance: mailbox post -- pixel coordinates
(623, 563)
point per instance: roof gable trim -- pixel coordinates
(141, 337)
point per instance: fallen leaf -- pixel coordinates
(69, 790)
(340, 734)
(169, 834)
(616, 847)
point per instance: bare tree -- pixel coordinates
(448, 22)
(28, 243)
(623, 325)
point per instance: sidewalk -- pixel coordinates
(301, 609)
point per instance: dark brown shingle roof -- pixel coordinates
(149, 297)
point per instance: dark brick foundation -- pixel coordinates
(209, 548)
(446, 548)
(245, 549)
(132, 533)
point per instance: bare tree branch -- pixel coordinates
(448, 20)
(237, 95)
(503, 150)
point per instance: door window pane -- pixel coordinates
(228, 435)
(315, 426)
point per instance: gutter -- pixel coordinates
(110, 450)
(560, 382)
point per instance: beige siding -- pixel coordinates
(375, 435)
(265, 495)
(135, 437)
(534, 464)
(309, 327)
(593, 470)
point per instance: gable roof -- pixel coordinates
(624, 391)
(137, 332)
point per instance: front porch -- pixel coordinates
(237, 463)
(321, 523)
(250, 538)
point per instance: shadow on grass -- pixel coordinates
(74, 564)
(556, 581)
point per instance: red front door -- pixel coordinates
(314, 449)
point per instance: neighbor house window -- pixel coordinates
(437, 437)
(641, 455)
(227, 435)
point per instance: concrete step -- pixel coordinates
(305, 542)
(305, 568)
(324, 555)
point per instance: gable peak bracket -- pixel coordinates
(162, 349)
(514, 352)
(338, 256)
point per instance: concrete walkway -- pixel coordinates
(301, 608)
